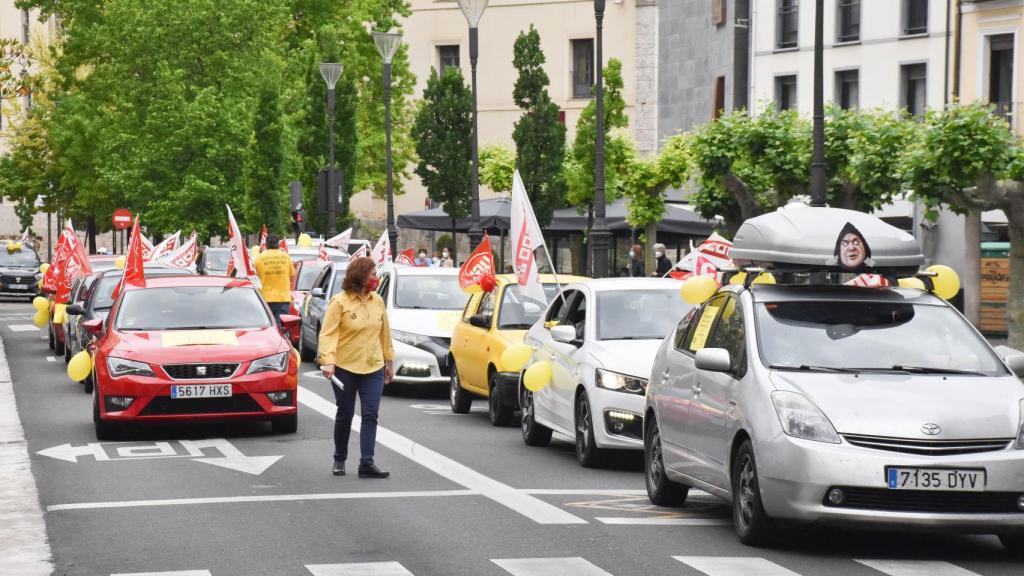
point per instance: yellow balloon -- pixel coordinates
(11, 248)
(764, 278)
(738, 279)
(43, 268)
(537, 376)
(40, 303)
(697, 289)
(473, 289)
(305, 241)
(59, 314)
(515, 357)
(80, 366)
(254, 250)
(946, 283)
(41, 318)
(730, 308)
(912, 282)
(119, 263)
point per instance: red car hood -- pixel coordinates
(162, 347)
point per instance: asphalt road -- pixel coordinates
(464, 498)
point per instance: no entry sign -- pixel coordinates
(122, 218)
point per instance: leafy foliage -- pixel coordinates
(443, 133)
(497, 164)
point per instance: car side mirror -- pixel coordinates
(713, 360)
(480, 321)
(74, 310)
(565, 335)
(1015, 362)
(94, 326)
(289, 322)
(317, 292)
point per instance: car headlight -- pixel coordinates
(274, 363)
(620, 382)
(121, 367)
(409, 338)
(800, 418)
(1019, 445)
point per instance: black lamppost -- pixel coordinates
(599, 234)
(473, 10)
(387, 44)
(818, 171)
(331, 72)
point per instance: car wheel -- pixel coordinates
(460, 400)
(1014, 543)
(660, 490)
(499, 412)
(104, 430)
(285, 424)
(752, 524)
(53, 340)
(87, 384)
(67, 353)
(534, 434)
(587, 452)
(59, 347)
(305, 354)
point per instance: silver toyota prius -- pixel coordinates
(857, 406)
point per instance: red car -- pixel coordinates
(306, 272)
(188, 348)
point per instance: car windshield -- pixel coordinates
(105, 291)
(863, 336)
(307, 275)
(19, 259)
(519, 312)
(430, 292)
(192, 308)
(217, 259)
(638, 314)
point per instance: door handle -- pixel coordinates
(664, 377)
(695, 390)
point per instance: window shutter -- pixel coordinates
(718, 12)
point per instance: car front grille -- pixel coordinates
(238, 403)
(928, 447)
(928, 501)
(200, 371)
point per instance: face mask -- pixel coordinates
(444, 255)
(659, 254)
(371, 283)
(423, 256)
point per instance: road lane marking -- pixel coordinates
(363, 569)
(231, 457)
(533, 508)
(172, 573)
(550, 567)
(51, 359)
(582, 492)
(664, 521)
(22, 327)
(257, 498)
(916, 568)
(734, 566)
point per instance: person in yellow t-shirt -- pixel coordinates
(275, 270)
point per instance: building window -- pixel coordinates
(1000, 73)
(848, 89)
(914, 87)
(915, 17)
(787, 23)
(718, 98)
(785, 92)
(847, 20)
(447, 56)
(582, 68)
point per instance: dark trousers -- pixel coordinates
(370, 387)
(279, 308)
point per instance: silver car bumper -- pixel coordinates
(795, 476)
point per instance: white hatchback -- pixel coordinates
(601, 337)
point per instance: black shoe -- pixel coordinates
(338, 469)
(371, 471)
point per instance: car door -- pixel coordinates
(463, 337)
(569, 362)
(546, 399)
(316, 306)
(674, 384)
(711, 409)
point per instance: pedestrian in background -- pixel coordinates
(355, 346)
(435, 260)
(421, 259)
(446, 259)
(636, 261)
(661, 262)
(275, 270)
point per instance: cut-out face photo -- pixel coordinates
(852, 250)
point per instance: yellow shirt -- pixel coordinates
(355, 334)
(276, 271)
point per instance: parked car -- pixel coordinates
(490, 324)
(601, 337)
(190, 348)
(79, 288)
(102, 262)
(213, 261)
(326, 285)
(306, 273)
(19, 272)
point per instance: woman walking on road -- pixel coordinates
(355, 347)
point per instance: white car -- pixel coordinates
(601, 337)
(423, 306)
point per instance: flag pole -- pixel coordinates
(551, 263)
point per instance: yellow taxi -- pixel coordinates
(492, 322)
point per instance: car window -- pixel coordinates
(471, 307)
(429, 292)
(730, 333)
(519, 312)
(308, 274)
(556, 313)
(339, 280)
(648, 314)
(216, 258)
(19, 259)
(384, 288)
(576, 315)
(683, 327)
(191, 308)
(700, 327)
(486, 305)
(324, 279)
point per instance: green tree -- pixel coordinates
(645, 181)
(497, 164)
(539, 136)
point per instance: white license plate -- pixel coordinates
(948, 479)
(18, 286)
(200, 391)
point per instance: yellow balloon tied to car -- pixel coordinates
(40, 303)
(43, 268)
(698, 289)
(80, 366)
(119, 263)
(537, 376)
(41, 318)
(515, 357)
(912, 283)
(305, 241)
(945, 283)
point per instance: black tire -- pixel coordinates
(67, 351)
(751, 522)
(285, 424)
(53, 339)
(500, 413)
(587, 452)
(534, 434)
(104, 430)
(58, 347)
(87, 384)
(305, 354)
(660, 489)
(1013, 543)
(460, 400)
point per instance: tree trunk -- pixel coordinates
(749, 207)
(651, 233)
(1015, 299)
(90, 227)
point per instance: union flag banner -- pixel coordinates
(147, 248)
(134, 265)
(263, 239)
(60, 258)
(76, 264)
(869, 281)
(479, 264)
(239, 253)
(163, 248)
(381, 252)
(526, 237)
(340, 241)
(185, 256)
(361, 253)
(406, 257)
(321, 253)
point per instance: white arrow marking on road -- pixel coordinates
(232, 458)
(177, 573)
(69, 453)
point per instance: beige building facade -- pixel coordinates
(989, 56)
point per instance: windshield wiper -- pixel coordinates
(813, 368)
(934, 370)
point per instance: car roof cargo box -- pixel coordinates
(804, 238)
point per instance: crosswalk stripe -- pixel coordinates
(22, 328)
(734, 566)
(550, 567)
(917, 568)
(617, 521)
(362, 569)
(173, 573)
(51, 359)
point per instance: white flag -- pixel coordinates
(526, 237)
(381, 252)
(147, 247)
(185, 256)
(361, 253)
(163, 248)
(239, 253)
(341, 241)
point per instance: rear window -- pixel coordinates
(20, 259)
(192, 308)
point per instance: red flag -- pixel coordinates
(282, 246)
(77, 264)
(321, 253)
(263, 239)
(406, 257)
(60, 258)
(134, 274)
(479, 264)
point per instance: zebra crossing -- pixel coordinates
(577, 566)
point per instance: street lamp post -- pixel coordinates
(387, 44)
(818, 170)
(331, 72)
(473, 10)
(599, 234)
